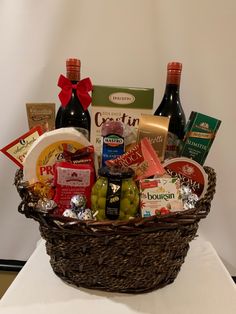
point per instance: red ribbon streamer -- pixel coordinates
(83, 88)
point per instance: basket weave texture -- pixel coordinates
(135, 256)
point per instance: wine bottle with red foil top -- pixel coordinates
(75, 99)
(170, 106)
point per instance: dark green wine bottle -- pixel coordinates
(171, 107)
(73, 114)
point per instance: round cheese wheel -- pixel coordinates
(47, 150)
(189, 172)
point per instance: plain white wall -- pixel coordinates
(129, 43)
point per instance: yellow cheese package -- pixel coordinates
(48, 149)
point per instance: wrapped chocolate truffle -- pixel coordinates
(78, 202)
(45, 205)
(70, 213)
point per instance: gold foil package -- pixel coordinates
(155, 128)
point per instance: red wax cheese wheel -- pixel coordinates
(189, 172)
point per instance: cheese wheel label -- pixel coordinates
(50, 155)
(189, 172)
(48, 150)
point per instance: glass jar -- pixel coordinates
(115, 194)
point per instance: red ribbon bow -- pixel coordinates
(83, 88)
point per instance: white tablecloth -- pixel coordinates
(202, 286)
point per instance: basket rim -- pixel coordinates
(172, 219)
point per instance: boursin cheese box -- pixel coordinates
(158, 193)
(125, 104)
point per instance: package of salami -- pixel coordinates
(72, 179)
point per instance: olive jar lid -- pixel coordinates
(116, 172)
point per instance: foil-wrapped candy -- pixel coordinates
(70, 213)
(45, 205)
(78, 208)
(191, 201)
(185, 191)
(42, 189)
(78, 202)
(189, 198)
(85, 214)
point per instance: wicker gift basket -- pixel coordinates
(135, 256)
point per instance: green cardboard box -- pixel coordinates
(200, 133)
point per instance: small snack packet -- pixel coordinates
(41, 114)
(142, 158)
(18, 149)
(83, 155)
(70, 180)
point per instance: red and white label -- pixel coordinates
(189, 172)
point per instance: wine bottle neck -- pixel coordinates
(173, 77)
(73, 69)
(172, 89)
(74, 77)
(74, 82)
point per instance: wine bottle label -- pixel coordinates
(172, 146)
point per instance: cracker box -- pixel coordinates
(158, 193)
(124, 104)
(200, 133)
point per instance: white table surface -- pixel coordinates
(202, 286)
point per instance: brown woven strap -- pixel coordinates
(203, 205)
(171, 221)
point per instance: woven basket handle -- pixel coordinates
(203, 206)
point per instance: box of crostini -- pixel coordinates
(125, 104)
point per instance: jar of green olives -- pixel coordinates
(115, 194)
